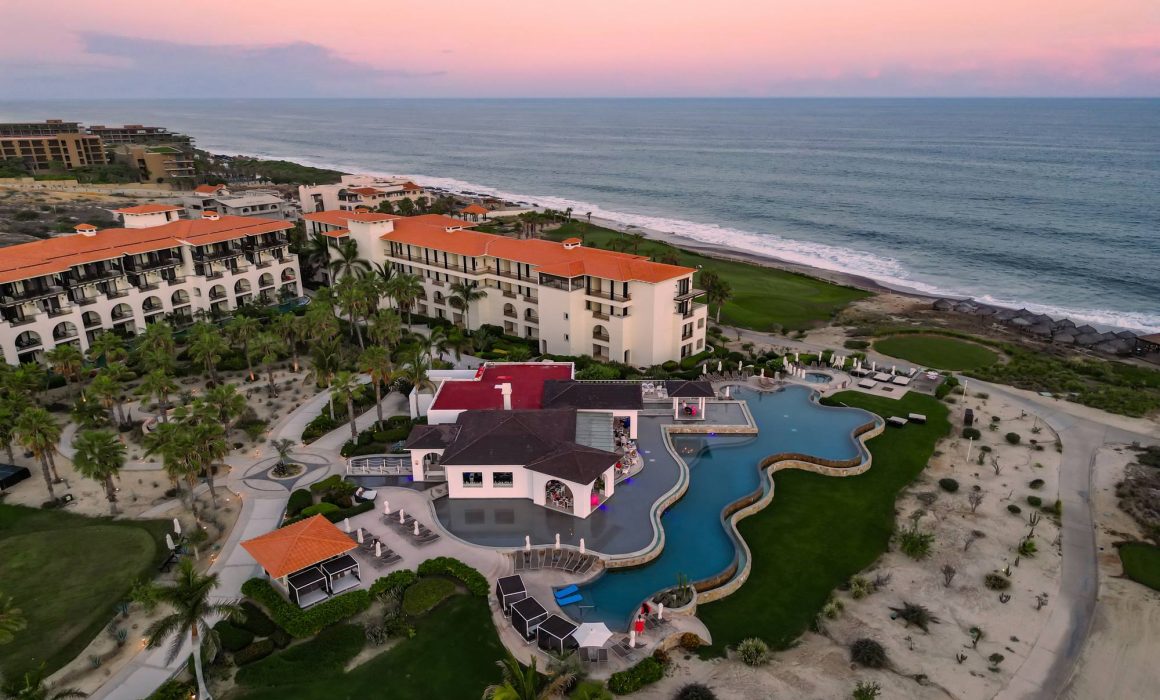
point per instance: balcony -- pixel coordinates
(609, 295)
(116, 293)
(26, 343)
(600, 316)
(510, 313)
(214, 275)
(601, 335)
(691, 294)
(121, 315)
(509, 294)
(89, 276)
(175, 281)
(265, 244)
(530, 299)
(23, 320)
(532, 318)
(156, 263)
(204, 255)
(153, 308)
(217, 294)
(31, 294)
(59, 311)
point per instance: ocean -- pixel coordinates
(1051, 204)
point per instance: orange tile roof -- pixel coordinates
(54, 255)
(475, 209)
(410, 186)
(147, 209)
(208, 189)
(365, 190)
(295, 547)
(337, 232)
(84, 227)
(453, 236)
(340, 218)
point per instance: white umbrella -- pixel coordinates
(632, 638)
(720, 365)
(378, 548)
(169, 541)
(762, 371)
(360, 536)
(401, 519)
(386, 507)
(527, 543)
(176, 526)
(660, 611)
(581, 548)
(592, 634)
(346, 524)
(557, 540)
(416, 528)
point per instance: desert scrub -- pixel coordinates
(753, 651)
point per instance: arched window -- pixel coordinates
(180, 297)
(64, 330)
(242, 286)
(122, 312)
(27, 339)
(266, 280)
(152, 304)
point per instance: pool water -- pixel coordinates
(818, 378)
(722, 469)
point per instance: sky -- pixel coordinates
(591, 48)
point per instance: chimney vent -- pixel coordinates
(506, 390)
(210, 214)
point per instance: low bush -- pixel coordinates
(318, 509)
(753, 651)
(690, 641)
(324, 656)
(996, 581)
(425, 594)
(255, 652)
(475, 582)
(948, 484)
(232, 637)
(1035, 501)
(971, 434)
(648, 671)
(695, 691)
(1036, 484)
(1012, 438)
(395, 582)
(303, 623)
(916, 543)
(318, 427)
(280, 637)
(256, 621)
(174, 690)
(869, 653)
(856, 344)
(299, 499)
(1012, 508)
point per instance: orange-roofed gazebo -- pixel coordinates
(473, 212)
(310, 560)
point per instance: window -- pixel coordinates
(473, 480)
(686, 350)
(503, 480)
(700, 323)
(565, 315)
(700, 343)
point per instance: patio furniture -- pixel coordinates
(526, 616)
(555, 634)
(510, 590)
(365, 494)
(566, 591)
(625, 652)
(569, 600)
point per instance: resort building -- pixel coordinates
(51, 144)
(266, 204)
(71, 288)
(571, 299)
(357, 191)
(161, 164)
(139, 134)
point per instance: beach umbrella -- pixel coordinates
(401, 516)
(169, 541)
(660, 611)
(527, 543)
(582, 549)
(632, 638)
(416, 528)
(762, 371)
(360, 536)
(176, 526)
(346, 524)
(386, 507)
(378, 548)
(557, 540)
(592, 634)
(874, 365)
(720, 365)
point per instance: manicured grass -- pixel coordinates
(67, 572)
(1142, 563)
(819, 531)
(452, 656)
(935, 351)
(762, 297)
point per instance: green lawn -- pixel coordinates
(819, 531)
(939, 352)
(452, 657)
(762, 297)
(1142, 563)
(67, 572)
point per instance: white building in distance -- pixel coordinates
(357, 191)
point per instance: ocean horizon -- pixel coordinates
(1047, 203)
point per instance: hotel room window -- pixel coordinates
(473, 479)
(503, 479)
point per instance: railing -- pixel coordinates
(121, 316)
(532, 318)
(509, 294)
(691, 294)
(116, 293)
(29, 294)
(217, 254)
(217, 295)
(59, 311)
(175, 281)
(167, 261)
(597, 335)
(531, 299)
(379, 465)
(30, 343)
(30, 318)
(510, 314)
(612, 296)
(600, 316)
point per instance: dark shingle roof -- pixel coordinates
(679, 388)
(591, 395)
(430, 437)
(575, 463)
(509, 437)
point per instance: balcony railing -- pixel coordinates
(175, 281)
(598, 335)
(217, 294)
(158, 263)
(611, 296)
(23, 320)
(28, 343)
(530, 299)
(90, 276)
(59, 311)
(532, 318)
(509, 294)
(121, 315)
(691, 294)
(510, 314)
(203, 255)
(600, 316)
(116, 293)
(31, 294)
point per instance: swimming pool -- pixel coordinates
(818, 378)
(722, 469)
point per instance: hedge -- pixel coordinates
(299, 499)
(398, 581)
(256, 651)
(304, 623)
(256, 621)
(425, 594)
(319, 509)
(336, 516)
(648, 671)
(232, 637)
(322, 657)
(449, 566)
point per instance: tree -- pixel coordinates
(66, 360)
(459, 342)
(157, 347)
(520, 683)
(267, 347)
(107, 346)
(439, 341)
(415, 370)
(224, 405)
(290, 328)
(376, 361)
(172, 442)
(975, 498)
(158, 384)
(206, 347)
(386, 328)
(106, 387)
(39, 433)
(463, 295)
(283, 447)
(100, 456)
(33, 685)
(192, 610)
(406, 207)
(405, 289)
(12, 620)
(717, 290)
(344, 385)
(385, 207)
(325, 359)
(635, 240)
(209, 446)
(316, 251)
(27, 380)
(345, 261)
(242, 330)
(11, 406)
(351, 300)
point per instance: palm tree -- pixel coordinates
(209, 446)
(66, 360)
(635, 240)
(520, 683)
(344, 385)
(39, 433)
(11, 620)
(33, 686)
(27, 380)
(283, 447)
(267, 347)
(316, 252)
(107, 388)
(291, 329)
(351, 299)
(325, 358)
(717, 290)
(376, 361)
(415, 370)
(386, 328)
(345, 261)
(406, 289)
(172, 442)
(225, 405)
(207, 347)
(406, 207)
(242, 330)
(459, 342)
(108, 346)
(158, 384)
(157, 346)
(189, 599)
(100, 456)
(385, 207)
(463, 294)
(439, 341)
(11, 406)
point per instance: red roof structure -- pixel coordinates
(295, 547)
(527, 380)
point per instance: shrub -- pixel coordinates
(916, 543)
(425, 594)
(695, 691)
(256, 621)
(753, 651)
(1012, 508)
(256, 651)
(299, 499)
(590, 690)
(475, 582)
(1027, 547)
(599, 372)
(1012, 438)
(860, 588)
(395, 582)
(690, 641)
(971, 434)
(280, 637)
(648, 671)
(174, 690)
(232, 637)
(1036, 484)
(856, 344)
(917, 615)
(865, 690)
(325, 655)
(318, 427)
(1035, 501)
(318, 509)
(869, 653)
(996, 581)
(303, 623)
(948, 484)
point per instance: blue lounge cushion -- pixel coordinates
(567, 591)
(569, 600)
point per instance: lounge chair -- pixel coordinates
(519, 561)
(568, 600)
(567, 591)
(622, 650)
